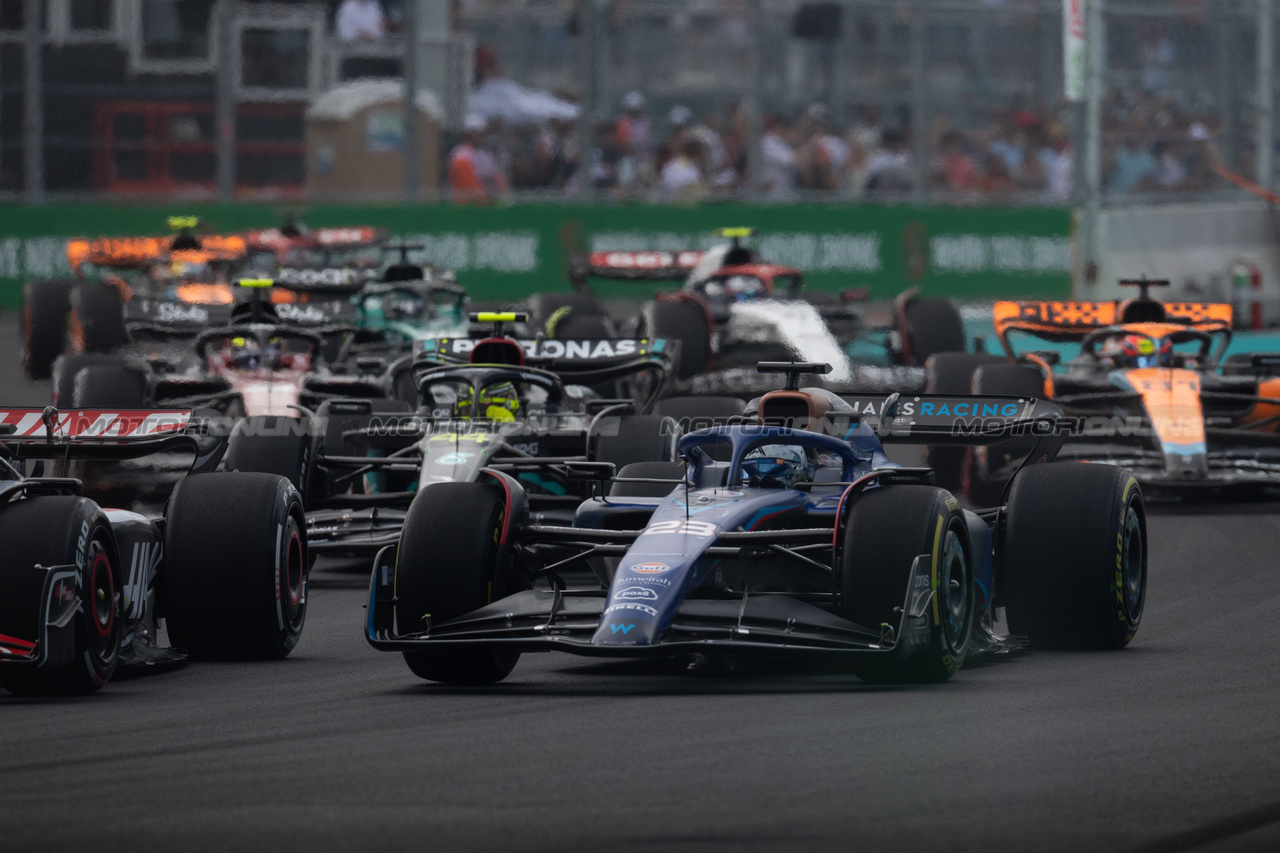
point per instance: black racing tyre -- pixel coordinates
(98, 313)
(699, 407)
(270, 444)
(336, 423)
(67, 367)
(107, 386)
(404, 389)
(447, 566)
(654, 470)
(543, 307)
(234, 581)
(687, 323)
(933, 325)
(61, 531)
(885, 532)
(574, 326)
(45, 309)
(951, 373)
(1074, 562)
(639, 438)
(983, 482)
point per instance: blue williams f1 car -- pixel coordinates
(789, 533)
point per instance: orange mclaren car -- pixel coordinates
(1149, 390)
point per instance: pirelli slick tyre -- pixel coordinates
(45, 309)
(270, 444)
(108, 386)
(97, 317)
(234, 581)
(1074, 561)
(932, 325)
(886, 530)
(638, 438)
(67, 367)
(951, 373)
(686, 322)
(548, 311)
(447, 564)
(58, 531)
(984, 477)
(704, 410)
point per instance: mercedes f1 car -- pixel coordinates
(788, 534)
(526, 408)
(735, 309)
(82, 587)
(1149, 391)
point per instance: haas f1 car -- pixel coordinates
(82, 587)
(790, 533)
(1149, 391)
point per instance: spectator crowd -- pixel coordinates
(1150, 143)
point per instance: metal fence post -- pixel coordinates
(755, 101)
(1224, 87)
(412, 16)
(1266, 94)
(226, 101)
(919, 106)
(33, 96)
(1095, 56)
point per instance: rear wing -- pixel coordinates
(177, 315)
(583, 362)
(274, 238)
(567, 353)
(125, 252)
(1070, 320)
(640, 266)
(98, 425)
(967, 420)
(114, 434)
(334, 280)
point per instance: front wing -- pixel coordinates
(566, 620)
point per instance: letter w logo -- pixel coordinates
(623, 628)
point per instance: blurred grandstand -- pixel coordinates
(926, 100)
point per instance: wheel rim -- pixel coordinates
(295, 575)
(102, 603)
(953, 588)
(1135, 564)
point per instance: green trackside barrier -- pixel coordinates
(506, 252)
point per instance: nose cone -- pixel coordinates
(642, 600)
(627, 624)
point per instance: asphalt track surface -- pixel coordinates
(1170, 745)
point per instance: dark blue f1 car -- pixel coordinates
(787, 533)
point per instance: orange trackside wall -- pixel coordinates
(1172, 399)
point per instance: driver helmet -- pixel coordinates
(498, 402)
(774, 466)
(1138, 351)
(246, 354)
(745, 288)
